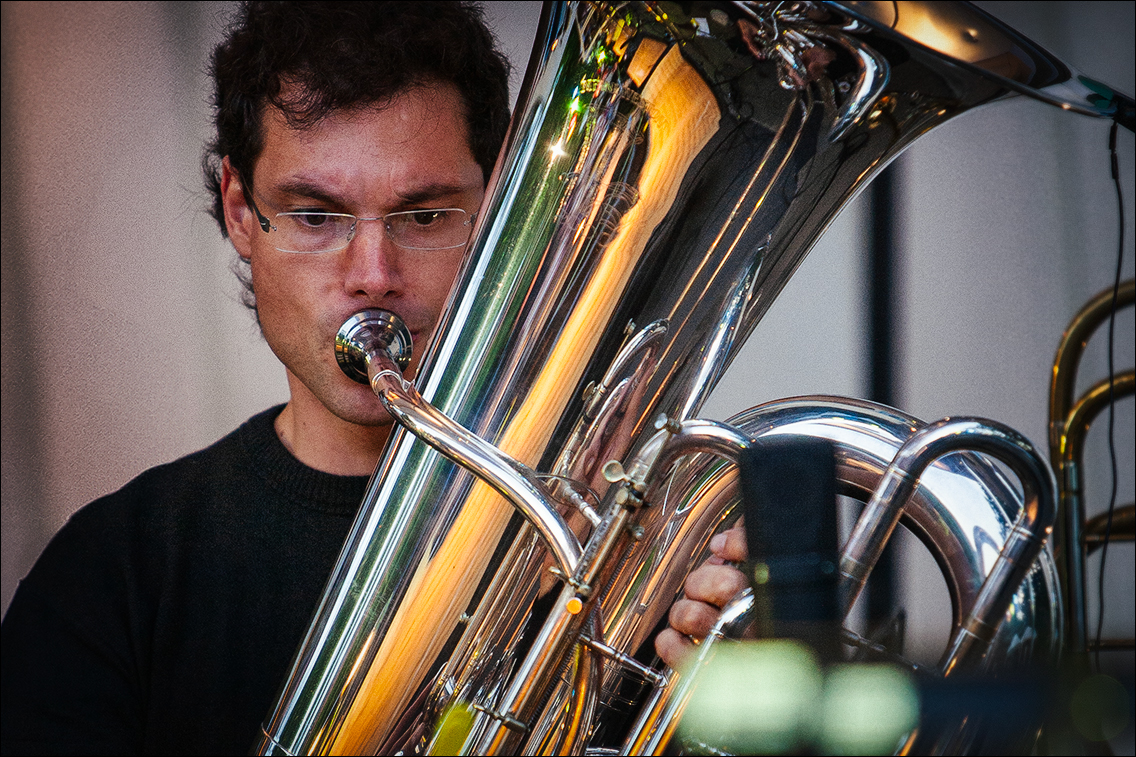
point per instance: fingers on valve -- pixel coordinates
(715, 584)
(673, 647)
(730, 545)
(693, 618)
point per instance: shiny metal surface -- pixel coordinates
(962, 508)
(1071, 466)
(978, 42)
(662, 712)
(514, 481)
(1070, 348)
(660, 169)
(538, 671)
(368, 330)
(1022, 543)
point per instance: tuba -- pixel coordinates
(549, 485)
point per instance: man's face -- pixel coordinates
(411, 154)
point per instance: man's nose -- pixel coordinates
(372, 261)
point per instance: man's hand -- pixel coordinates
(708, 588)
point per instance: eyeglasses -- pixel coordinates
(308, 231)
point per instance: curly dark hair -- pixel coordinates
(347, 55)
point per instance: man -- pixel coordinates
(162, 618)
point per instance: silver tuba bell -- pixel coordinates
(531, 521)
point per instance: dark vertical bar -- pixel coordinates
(882, 223)
(881, 287)
(789, 498)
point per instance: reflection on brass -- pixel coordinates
(1123, 528)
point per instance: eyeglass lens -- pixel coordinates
(434, 229)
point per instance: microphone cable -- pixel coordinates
(1111, 399)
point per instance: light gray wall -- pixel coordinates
(124, 345)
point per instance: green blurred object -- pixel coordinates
(867, 709)
(1099, 708)
(771, 697)
(755, 698)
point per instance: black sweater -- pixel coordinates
(162, 618)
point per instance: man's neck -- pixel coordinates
(323, 441)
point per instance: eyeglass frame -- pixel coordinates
(267, 225)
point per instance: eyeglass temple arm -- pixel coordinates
(265, 224)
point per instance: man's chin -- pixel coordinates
(355, 404)
(371, 417)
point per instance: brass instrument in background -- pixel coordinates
(1074, 537)
(667, 168)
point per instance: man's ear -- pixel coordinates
(240, 220)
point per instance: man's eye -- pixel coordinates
(312, 220)
(427, 217)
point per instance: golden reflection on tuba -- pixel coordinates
(530, 523)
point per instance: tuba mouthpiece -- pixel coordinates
(366, 332)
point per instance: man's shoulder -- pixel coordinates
(212, 478)
(163, 511)
(238, 454)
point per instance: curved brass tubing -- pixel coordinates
(1069, 351)
(1068, 427)
(1070, 472)
(1123, 528)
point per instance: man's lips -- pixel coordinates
(415, 325)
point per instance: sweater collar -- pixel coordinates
(288, 477)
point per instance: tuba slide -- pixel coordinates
(549, 487)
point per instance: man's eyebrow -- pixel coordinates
(299, 187)
(309, 190)
(426, 192)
